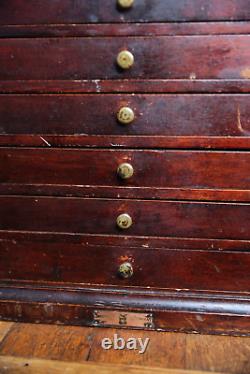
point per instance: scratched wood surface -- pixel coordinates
(162, 174)
(155, 115)
(125, 29)
(165, 350)
(171, 269)
(186, 219)
(96, 11)
(36, 366)
(202, 57)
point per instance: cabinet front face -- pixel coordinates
(125, 163)
(166, 57)
(127, 173)
(165, 115)
(96, 11)
(104, 265)
(149, 218)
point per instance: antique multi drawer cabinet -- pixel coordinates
(125, 163)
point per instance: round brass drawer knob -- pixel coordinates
(125, 4)
(125, 171)
(124, 221)
(126, 115)
(125, 60)
(126, 270)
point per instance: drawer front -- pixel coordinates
(156, 268)
(93, 11)
(136, 217)
(163, 115)
(202, 57)
(142, 172)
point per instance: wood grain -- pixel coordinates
(127, 86)
(95, 11)
(4, 329)
(171, 269)
(155, 115)
(88, 240)
(165, 350)
(125, 29)
(74, 169)
(49, 342)
(203, 57)
(35, 366)
(151, 218)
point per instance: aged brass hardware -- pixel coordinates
(126, 115)
(124, 221)
(125, 60)
(125, 171)
(125, 4)
(126, 270)
(117, 318)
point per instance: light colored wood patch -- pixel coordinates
(12, 365)
(4, 329)
(245, 73)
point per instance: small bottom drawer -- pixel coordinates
(125, 266)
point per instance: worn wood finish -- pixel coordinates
(61, 87)
(95, 11)
(158, 174)
(133, 141)
(203, 57)
(135, 29)
(191, 352)
(4, 329)
(174, 311)
(127, 86)
(35, 366)
(88, 240)
(155, 115)
(152, 218)
(154, 268)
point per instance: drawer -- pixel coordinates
(93, 11)
(135, 217)
(101, 265)
(202, 57)
(127, 173)
(164, 115)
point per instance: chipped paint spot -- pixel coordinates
(192, 76)
(239, 123)
(49, 310)
(245, 73)
(200, 318)
(97, 85)
(45, 141)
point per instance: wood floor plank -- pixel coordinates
(218, 353)
(48, 341)
(166, 350)
(12, 365)
(4, 329)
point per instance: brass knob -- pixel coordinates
(125, 171)
(125, 4)
(126, 270)
(124, 221)
(126, 115)
(125, 60)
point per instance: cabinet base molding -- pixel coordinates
(163, 310)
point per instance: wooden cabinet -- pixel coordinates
(124, 163)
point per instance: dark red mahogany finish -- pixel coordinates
(189, 145)
(202, 57)
(160, 174)
(96, 11)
